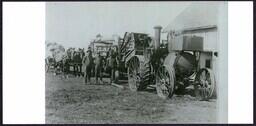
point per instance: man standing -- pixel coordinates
(98, 67)
(87, 64)
(72, 52)
(76, 64)
(112, 63)
(65, 66)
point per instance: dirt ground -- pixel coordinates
(71, 101)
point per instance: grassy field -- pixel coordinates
(72, 101)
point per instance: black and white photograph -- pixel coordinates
(128, 62)
(134, 62)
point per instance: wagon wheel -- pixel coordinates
(205, 84)
(133, 74)
(165, 82)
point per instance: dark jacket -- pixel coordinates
(77, 58)
(99, 61)
(112, 62)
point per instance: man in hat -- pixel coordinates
(112, 63)
(87, 64)
(98, 67)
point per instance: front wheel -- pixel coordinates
(165, 82)
(204, 84)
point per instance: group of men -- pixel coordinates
(84, 64)
(100, 64)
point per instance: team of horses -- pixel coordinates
(71, 63)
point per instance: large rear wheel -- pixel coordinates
(146, 76)
(165, 82)
(205, 84)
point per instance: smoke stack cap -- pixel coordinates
(158, 27)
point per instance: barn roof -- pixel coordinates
(197, 14)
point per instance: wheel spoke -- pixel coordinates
(161, 74)
(167, 78)
(208, 90)
(132, 66)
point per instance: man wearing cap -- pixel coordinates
(98, 67)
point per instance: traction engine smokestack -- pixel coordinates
(157, 36)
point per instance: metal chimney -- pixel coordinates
(157, 36)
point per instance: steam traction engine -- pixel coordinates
(186, 60)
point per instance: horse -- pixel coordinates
(64, 65)
(49, 62)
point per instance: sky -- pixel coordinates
(75, 24)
